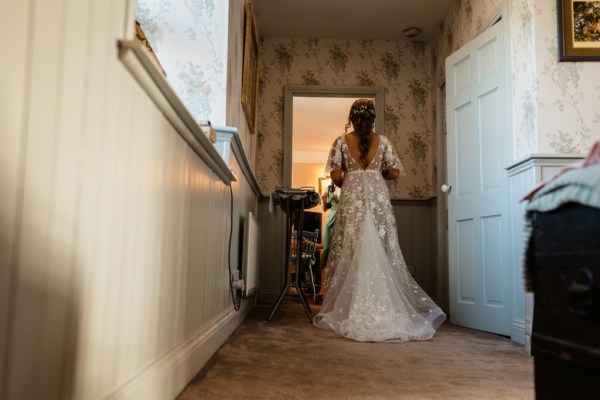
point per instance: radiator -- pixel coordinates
(250, 252)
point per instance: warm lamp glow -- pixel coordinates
(324, 181)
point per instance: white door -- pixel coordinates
(477, 200)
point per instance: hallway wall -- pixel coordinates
(402, 67)
(416, 235)
(410, 73)
(553, 101)
(567, 118)
(113, 232)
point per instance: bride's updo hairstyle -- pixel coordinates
(362, 118)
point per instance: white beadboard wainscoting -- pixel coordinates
(114, 275)
(524, 176)
(415, 220)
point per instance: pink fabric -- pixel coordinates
(592, 158)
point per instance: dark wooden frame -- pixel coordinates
(250, 73)
(568, 49)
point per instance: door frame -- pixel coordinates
(442, 281)
(291, 91)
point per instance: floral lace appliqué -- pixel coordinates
(371, 295)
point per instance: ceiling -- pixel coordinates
(348, 19)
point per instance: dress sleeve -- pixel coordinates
(334, 161)
(390, 157)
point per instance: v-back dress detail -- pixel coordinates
(371, 295)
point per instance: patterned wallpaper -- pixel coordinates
(403, 68)
(409, 71)
(190, 39)
(524, 89)
(568, 92)
(199, 44)
(465, 20)
(553, 102)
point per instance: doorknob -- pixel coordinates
(445, 188)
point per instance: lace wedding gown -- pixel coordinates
(371, 295)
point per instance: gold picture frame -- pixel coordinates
(141, 37)
(578, 30)
(250, 73)
(324, 182)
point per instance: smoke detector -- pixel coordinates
(412, 32)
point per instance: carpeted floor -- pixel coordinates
(287, 358)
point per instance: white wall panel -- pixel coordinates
(114, 232)
(523, 177)
(415, 225)
(14, 38)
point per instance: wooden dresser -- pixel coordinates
(565, 249)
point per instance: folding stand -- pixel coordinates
(291, 200)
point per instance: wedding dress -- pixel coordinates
(371, 296)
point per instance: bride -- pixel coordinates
(371, 295)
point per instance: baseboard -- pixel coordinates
(169, 375)
(267, 296)
(517, 332)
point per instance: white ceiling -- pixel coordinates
(348, 19)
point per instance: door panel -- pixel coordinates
(492, 260)
(466, 270)
(477, 203)
(464, 151)
(491, 167)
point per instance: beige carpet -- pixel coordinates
(287, 358)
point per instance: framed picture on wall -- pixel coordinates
(324, 182)
(141, 37)
(578, 30)
(250, 72)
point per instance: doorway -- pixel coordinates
(314, 116)
(321, 93)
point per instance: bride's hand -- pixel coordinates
(337, 177)
(390, 174)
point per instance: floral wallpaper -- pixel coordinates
(568, 92)
(409, 72)
(403, 68)
(190, 39)
(553, 102)
(524, 88)
(465, 20)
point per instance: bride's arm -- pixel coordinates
(337, 177)
(391, 166)
(390, 174)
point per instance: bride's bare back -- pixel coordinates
(352, 140)
(352, 147)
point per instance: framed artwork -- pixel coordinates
(140, 36)
(250, 73)
(323, 183)
(578, 30)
